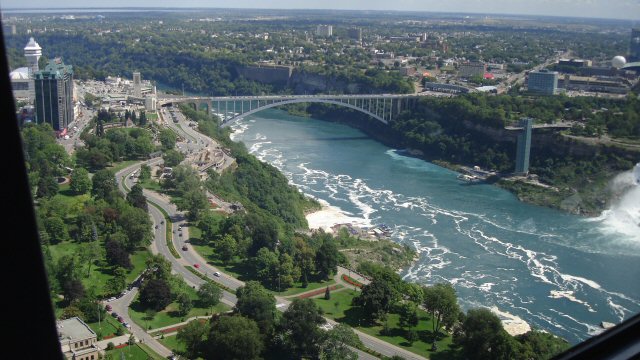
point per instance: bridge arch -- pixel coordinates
(235, 118)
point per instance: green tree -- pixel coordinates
(172, 157)
(89, 253)
(335, 343)
(136, 198)
(80, 182)
(47, 187)
(56, 229)
(482, 337)
(192, 336)
(226, 248)
(375, 299)
(184, 304)
(209, 295)
(118, 282)
(540, 345)
(300, 326)
(194, 201)
(233, 338)
(168, 139)
(155, 294)
(104, 184)
(255, 302)
(145, 172)
(440, 300)
(266, 267)
(408, 312)
(327, 258)
(149, 315)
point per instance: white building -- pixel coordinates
(324, 30)
(21, 84)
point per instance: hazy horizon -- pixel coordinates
(603, 9)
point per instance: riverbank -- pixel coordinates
(573, 183)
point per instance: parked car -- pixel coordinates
(185, 248)
(216, 274)
(121, 319)
(107, 307)
(197, 266)
(114, 314)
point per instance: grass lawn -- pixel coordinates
(100, 271)
(170, 316)
(172, 343)
(121, 165)
(151, 354)
(343, 312)
(134, 352)
(297, 287)
(151, 184)
(109, 326)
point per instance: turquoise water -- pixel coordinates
(558, 272)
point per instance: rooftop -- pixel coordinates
(32, 45)
(20, 74)
(74, 329)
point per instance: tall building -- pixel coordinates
(324, 30)
(634, 45)
(543, 82)
(355, 34)
(137, 85)
(32, 52)
(54, 95)
(524, 146)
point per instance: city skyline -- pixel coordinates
(624, 9)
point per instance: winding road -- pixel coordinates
(190, 257)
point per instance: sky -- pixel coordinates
(615, 9)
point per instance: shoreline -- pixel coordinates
(328, 216)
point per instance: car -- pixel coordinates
(120, 319)
(114, 314)
(185, 248)
(126, 324)
(180, 234)
(179, 227)
(162, 222)
(216, 274)
(111, 298)
(156, 226)
(197, 266)
(107, 307)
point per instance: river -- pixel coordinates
(559, 272)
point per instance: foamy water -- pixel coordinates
(555, 271)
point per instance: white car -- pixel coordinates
(216, 274)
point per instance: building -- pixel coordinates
(594, 84)
(575, 62)
(77, 340)
(137, 85)
(355, 34)
(324, 30)
(472, 69)
(634, 46)
(543, 82)
(150, 102)
(524, 147)
(408, 71)
(54, 95)
(9, 29)
(21, 83)
(32, 52)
